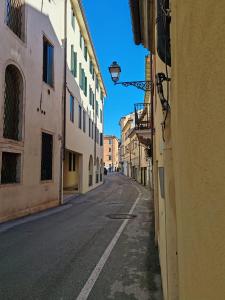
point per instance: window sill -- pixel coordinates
(10, 185)
(50, 181)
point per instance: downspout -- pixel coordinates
(63, 143)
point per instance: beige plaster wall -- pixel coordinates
(198, 47)
(32, 195)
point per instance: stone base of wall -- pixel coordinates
(29, 211)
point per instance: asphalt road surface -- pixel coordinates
(84, 249)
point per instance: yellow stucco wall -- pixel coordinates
(198, 138)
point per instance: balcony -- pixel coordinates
(142, 116)
(142, 122)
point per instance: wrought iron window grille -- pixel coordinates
(15, 17)
(12, 119)
(142, 116)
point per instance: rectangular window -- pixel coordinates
(11, 168)
(90, 95)
(89, 131)
(80, 117)
(71, 108)
(110, 142)
(85, 86)
(73, 62)
(85, 53)
(97, 136)
(91, 67)
(110, 149)
(92, 129)
(46, 156)
(80, 76)
(97, 83)
(15, 16)
(101, 139)
(101, 95)
(110, 157)
(48, 60)
(81, 38)
(70, 161)
(93, 100)
(74, 162)
(100, 115)
(96, 108)
(84, 121)
(72, 19)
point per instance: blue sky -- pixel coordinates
(111, 30)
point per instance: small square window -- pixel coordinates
(11, 168)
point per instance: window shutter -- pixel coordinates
(85, 86)
(75, 64)
(80, 75)
(72, 60)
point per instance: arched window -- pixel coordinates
(13, 105)
(90, 169)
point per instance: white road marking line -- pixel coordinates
(98, 268)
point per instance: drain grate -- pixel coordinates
(121, 216)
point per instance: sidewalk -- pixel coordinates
(136, 257)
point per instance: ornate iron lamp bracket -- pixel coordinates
(142, 85)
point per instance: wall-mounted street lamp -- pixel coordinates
(115, 71)
(160, 77)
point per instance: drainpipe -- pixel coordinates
(63, 143)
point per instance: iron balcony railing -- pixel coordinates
(142, 116)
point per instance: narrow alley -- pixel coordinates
(84, 249)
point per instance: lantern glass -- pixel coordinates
(115, 70)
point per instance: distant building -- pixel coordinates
(111, 152)
(133, 159)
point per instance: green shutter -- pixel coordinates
(75, 64)
(96, 107)
(80, 76)
(100, 115)
(73, 20)
(85, 52)
(83, 80)
(90, 66)
(90, 95)
(85, 86)
(93, 100)
(72, 59)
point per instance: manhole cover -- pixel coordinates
(121, 216)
